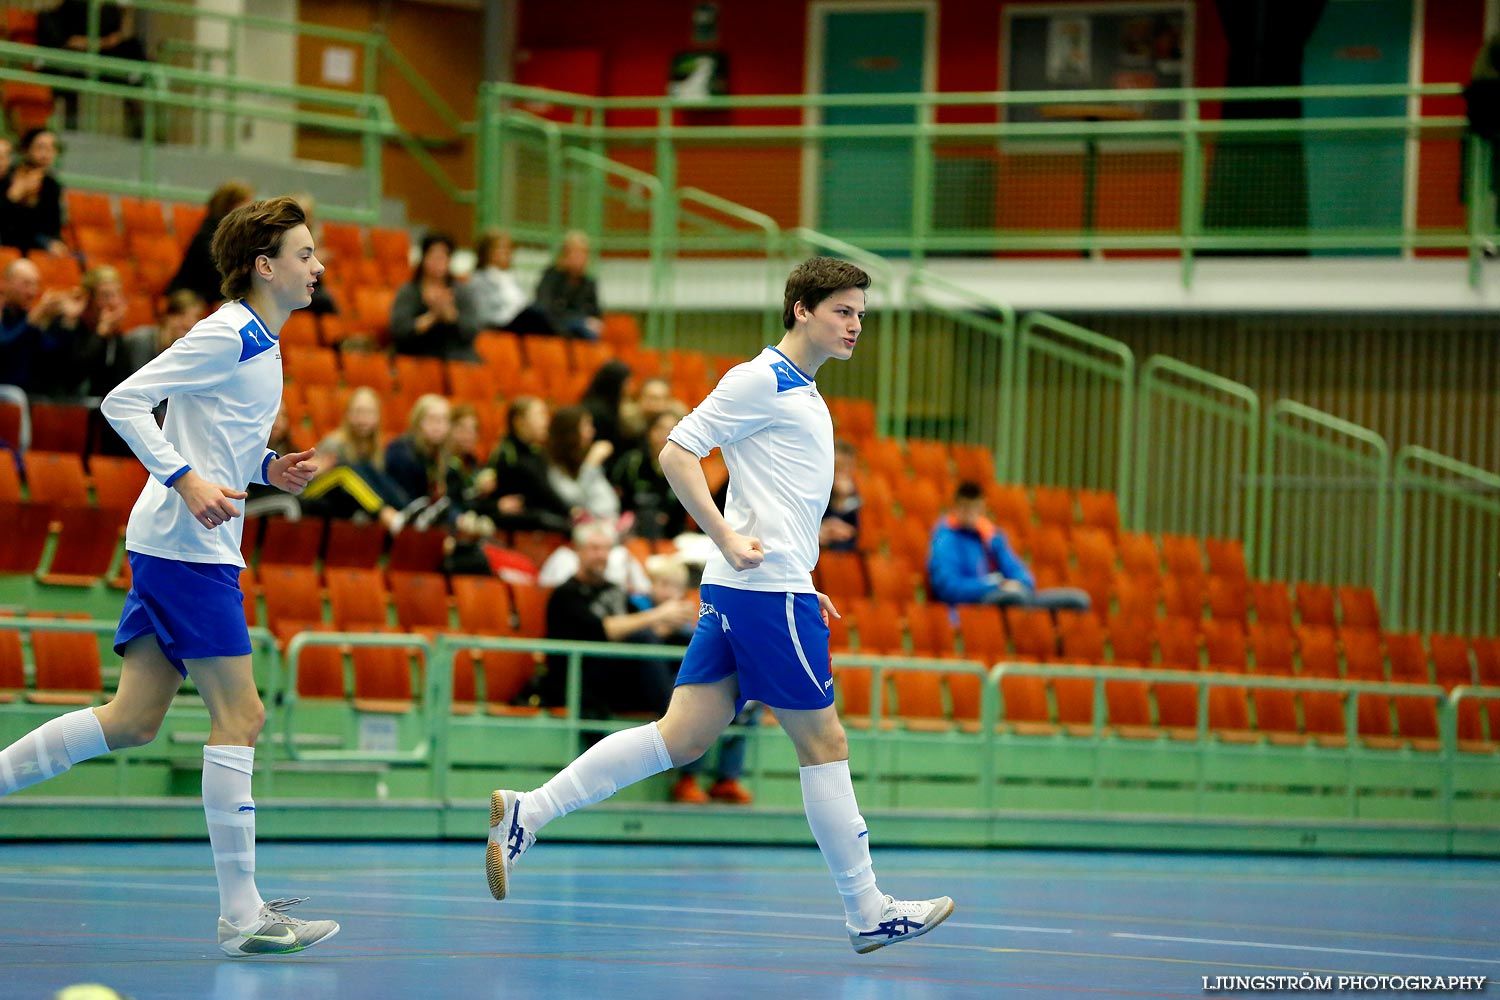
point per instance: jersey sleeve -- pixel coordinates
(741, 404)
(196, 363)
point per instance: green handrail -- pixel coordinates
(1076, 353)
(991, 367)
(1328, 556)
(434, 703)
(1350, 691)
(761, 221)
(1212, 471)
(1444, 541)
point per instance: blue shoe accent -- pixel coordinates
(515, 841)
(888, 929)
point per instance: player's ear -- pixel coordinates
(800, 312)
(263, 267)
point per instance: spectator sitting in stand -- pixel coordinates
(84, 324)
(433, 315)
(589, 608)
(470, 482)
(568, 295)
(198, 273)
(669, 583)
(351, 477)
(417, 461)
(605, 399)
(643, 487)
(839, 530)
(31, 197)
(527, 501)
(26, 351)
(500, 302)
(971, 562)
(576, 470)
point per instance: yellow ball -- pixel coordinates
(86, 991)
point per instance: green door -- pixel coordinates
(1356, 181)
(865, 185)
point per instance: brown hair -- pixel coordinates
(249, 233)
(487, 242)
(814, 280)
(565, 440)
(360, 446)
(228, 196)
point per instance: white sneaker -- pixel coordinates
(273, 932)
(901, 920)
(505, 847)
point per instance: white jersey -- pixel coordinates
(777, 438)
(224, 383)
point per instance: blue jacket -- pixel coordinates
(960, 560)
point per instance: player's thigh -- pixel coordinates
(227, 686)
(148, 682)
(696, 716)
(817, 734)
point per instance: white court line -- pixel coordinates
(333, 891)
(1305, 947)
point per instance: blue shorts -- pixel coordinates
(195, 610)
(776, 643)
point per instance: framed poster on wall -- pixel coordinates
(1103, 46)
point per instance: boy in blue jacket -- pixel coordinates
(970, 561)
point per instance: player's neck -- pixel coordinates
(800, 352)
(265, 307)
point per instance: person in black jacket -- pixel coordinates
(31, 197)
(526, 500)
(434, 315)
(568, 295)
(198, 273)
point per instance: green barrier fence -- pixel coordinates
(1429, 792)
(1200, 433)
(959, 350)
(1182, 183)
(167, 87)
(1074, 407)
(1324, 500)
(1445, 545)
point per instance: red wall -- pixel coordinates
(765, 43)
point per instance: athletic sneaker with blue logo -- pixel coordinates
(901, 920)
(273, 932)
(508, 840)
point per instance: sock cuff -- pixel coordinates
(83, 737)
(240, 759)
(659, 746)
(821, 782)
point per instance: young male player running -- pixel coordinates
(184, 614)
(762, 629)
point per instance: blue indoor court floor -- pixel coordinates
(660, 923)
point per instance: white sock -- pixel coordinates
(839, 829)
(620, 759)
(50, 749)
(231, 829)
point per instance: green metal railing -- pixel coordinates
(1201, 433)
(1324, 500)
(1063, 371)
(167, 87)
(1445, 545)
(1164, 184)
(960, 350)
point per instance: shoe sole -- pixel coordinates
(289, 951)
(875, 946)
(494, 854)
